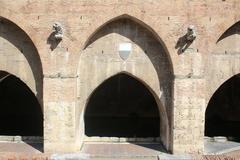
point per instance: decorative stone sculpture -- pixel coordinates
(191, 33)
(58, 31)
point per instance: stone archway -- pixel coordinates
(222, 114)
(19, 59)
(19, 56)
(122, 107)
(21, 113)
(224, 60)
(148, 62)
(222, 93)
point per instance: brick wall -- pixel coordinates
(65, 67)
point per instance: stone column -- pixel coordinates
(189, 104)
(59, 113)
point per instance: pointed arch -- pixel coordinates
(223, 81)
(18, 101)
(122, 106)
(224, 59)
(20, 53)
(149, 61)
(162, 110)
(222, 113)
(164, 121)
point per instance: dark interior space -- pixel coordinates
(122, 107)
(20, 112)
(223, 111)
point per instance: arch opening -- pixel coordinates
(20, 111)
(122, 107)
(222, 114)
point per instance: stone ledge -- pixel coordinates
(19, 139)
(121, 139)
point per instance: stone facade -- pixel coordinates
(64, 73)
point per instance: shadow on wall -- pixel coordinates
(183, 44)
(234, 29)
(52, 41)
(16, 36)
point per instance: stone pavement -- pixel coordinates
(123, 151)
(221, 147)
(33, 148)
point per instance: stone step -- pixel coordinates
(94, 157)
